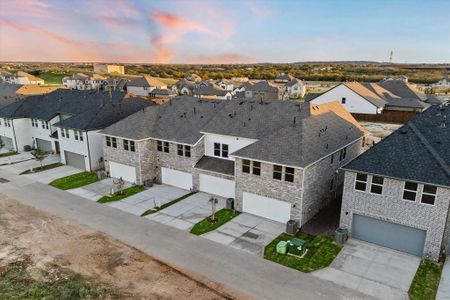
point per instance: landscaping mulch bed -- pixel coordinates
(124, 194)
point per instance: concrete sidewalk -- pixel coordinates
(234, 268)
(444, 286)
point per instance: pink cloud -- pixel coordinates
(174, 21)
(27, 8)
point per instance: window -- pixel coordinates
(256, 168)
(166, 147)
(108, 140)
(361, 182)
(159, 146)
(343, 100)
(162, 146)
(132, 146)
(8, 122)
(75, 133)
(289, 174)
(220, 150)
(277, 172)
(43, 124)
(245, 166)
(126, 145)
(114, 142)
(410, 191)
(187, 151)
(216, 149)
(428, 194)
(80, 133)
(377, 185)
(180, 150)
(65, 132)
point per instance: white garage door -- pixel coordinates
(176, 178)
(127, 173)
(266, 207)
(75, 160)
(217, 186)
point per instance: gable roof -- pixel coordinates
(292, 82)
(146, 81)
(417, 151)
(366, 93)
(402, 89)
(210, 90)
(260, 86)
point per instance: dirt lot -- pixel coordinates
(378, 131)
(50, 243)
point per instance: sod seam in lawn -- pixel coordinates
(426, 281)
(125, 193)
(153, 210)
(43, 168)
(222, 216)
(322, 250)
(74, 181)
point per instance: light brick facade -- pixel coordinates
(392, 208)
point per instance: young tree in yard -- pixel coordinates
(120, 183)
(39, 155)
(214, 202)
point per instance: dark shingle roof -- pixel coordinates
(211, 90)
(418, 151)
(261, 86)
(402, 89)
(216, 165)
(88, 109)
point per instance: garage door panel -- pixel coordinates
(44, 145)
(117, 170)
(75, 160)
(217, 186)
(395, 236)
(176, 178)
(8, 142)
(266, 207)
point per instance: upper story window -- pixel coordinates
(428, 194)
(286, 173)
(65, 132)
(343, 100)
(184, 150)
(361, 182)
(34, 122)
(7, 122)
(162, 146)
(44, 124)
(410, 191)
(78, 135)
(253, 167)
(376, 186)
(129, 146)
(114, 142)
(220, 150)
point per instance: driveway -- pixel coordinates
(186, 213)
(444, 286)
(373, 270)
(19, 167)
(96, 190)
(52, 174)
(247, 232)
(143, 201)
(12, 159)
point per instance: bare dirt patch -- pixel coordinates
(50, 244)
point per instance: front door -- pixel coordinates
(57, 147)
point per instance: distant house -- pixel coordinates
(443, 83)
(226, 84)
(283, 78)
(262, 90)
(109, 69)
(21, 77)
(183, 87)
(212, 92)
(193, 77)
(162, 93)
(295, 88)
(397, 194)
(142, 86)
(239, 79)
(115, 84)
(80, 81)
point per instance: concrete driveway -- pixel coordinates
(247, 232)
(19, 167)
(373, 270)
(96, 190)
(52, 174)
(139, 203)
(12, 159)
(186, 213)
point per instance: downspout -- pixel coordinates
(89, 151)
(14, 134)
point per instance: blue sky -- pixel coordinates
(207, 31)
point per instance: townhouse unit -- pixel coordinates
(20, 77)
(369, 99)
(212, 91)
(261, 90)
(142, 86)
(80, 81)
(65, 122)
(397, 193)
(295, 89)
(278, 160)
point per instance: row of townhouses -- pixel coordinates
(19, 77)
(277, 159)
(65, 122)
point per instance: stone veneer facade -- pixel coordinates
(392, 208)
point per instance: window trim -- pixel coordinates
(416, 192)
(360, 181)
(376, 184)
(108, 141)
(114, 142)
(246, 163)
(428, 194)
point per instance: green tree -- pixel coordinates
(39, 155)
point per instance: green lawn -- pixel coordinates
(426, 281)
(125, 193)
(321, 252)
(17, 283)
(8, 154)
(153, 210)
(43, 168)
(52, 78)
(74, 181)
(222, 216)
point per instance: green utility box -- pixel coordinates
(296, 246)
(282, 247)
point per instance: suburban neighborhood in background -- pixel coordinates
(307, 180)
